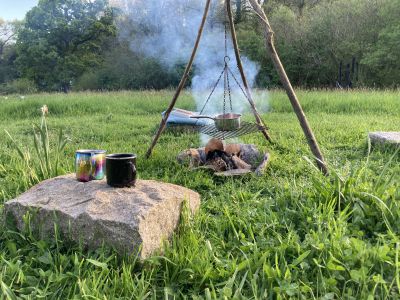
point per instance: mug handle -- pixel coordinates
(133, 169)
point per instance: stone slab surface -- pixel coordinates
(385, 137)
(93, 212)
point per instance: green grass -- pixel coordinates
(291, 234)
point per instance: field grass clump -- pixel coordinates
(290, 234)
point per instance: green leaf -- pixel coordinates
(8, 292)
(332, 266)
(302, 257)
(97, 263)
(46, 259)
(243, 265)
(12, 247)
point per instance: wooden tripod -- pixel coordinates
(278, 65)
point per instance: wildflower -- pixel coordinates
(45, 110)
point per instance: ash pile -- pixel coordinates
(226, 160)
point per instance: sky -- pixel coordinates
(15, 9)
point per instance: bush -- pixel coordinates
(87, 82)
(18, 86)
(123, 70)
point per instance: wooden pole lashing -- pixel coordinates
(182, 82)
(269, 41)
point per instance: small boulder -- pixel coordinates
(95, 213)
(385, 138)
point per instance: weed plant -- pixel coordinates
(45, 163)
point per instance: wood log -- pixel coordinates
(240, 164)
(235, 172)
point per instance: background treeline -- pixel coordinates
(74, 44)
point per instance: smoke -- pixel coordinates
(166, 30)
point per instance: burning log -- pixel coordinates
(220, 160)
(214, 145)
(233, 149)
(240, 164)
(224, 158)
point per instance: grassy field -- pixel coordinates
(291, 234)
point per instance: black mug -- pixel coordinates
(121, 169)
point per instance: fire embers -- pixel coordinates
(222, 158)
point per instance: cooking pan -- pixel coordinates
(224, 122)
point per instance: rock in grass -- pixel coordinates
(385, 138)
(94, 213)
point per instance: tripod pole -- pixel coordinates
(181, 84)
(249, 97)
(269, 40)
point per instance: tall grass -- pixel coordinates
(291, 234)
(45, 164)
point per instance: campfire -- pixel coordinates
(226, 160)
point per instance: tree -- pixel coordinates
(382, 62)
(61, 39)
(8, 33)
(300, 5)
(329, 32)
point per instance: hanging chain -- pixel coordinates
(225, 69)
(226, 72)
(229, 89)
(238, 84)
(227, 86)
(212, 91)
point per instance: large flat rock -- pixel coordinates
(94, 213)
(389, 138)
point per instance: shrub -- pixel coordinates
(18, 86)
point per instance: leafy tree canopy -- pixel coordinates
(8, 31)
(61, 39)
(8, 34)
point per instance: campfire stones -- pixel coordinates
(385, 138)
(94, 213)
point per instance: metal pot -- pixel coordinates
(224, 122)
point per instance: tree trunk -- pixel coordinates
(65, 87)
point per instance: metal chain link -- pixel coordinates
(229, 89)
(225, 70)
(212, 91)
(237, 82)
